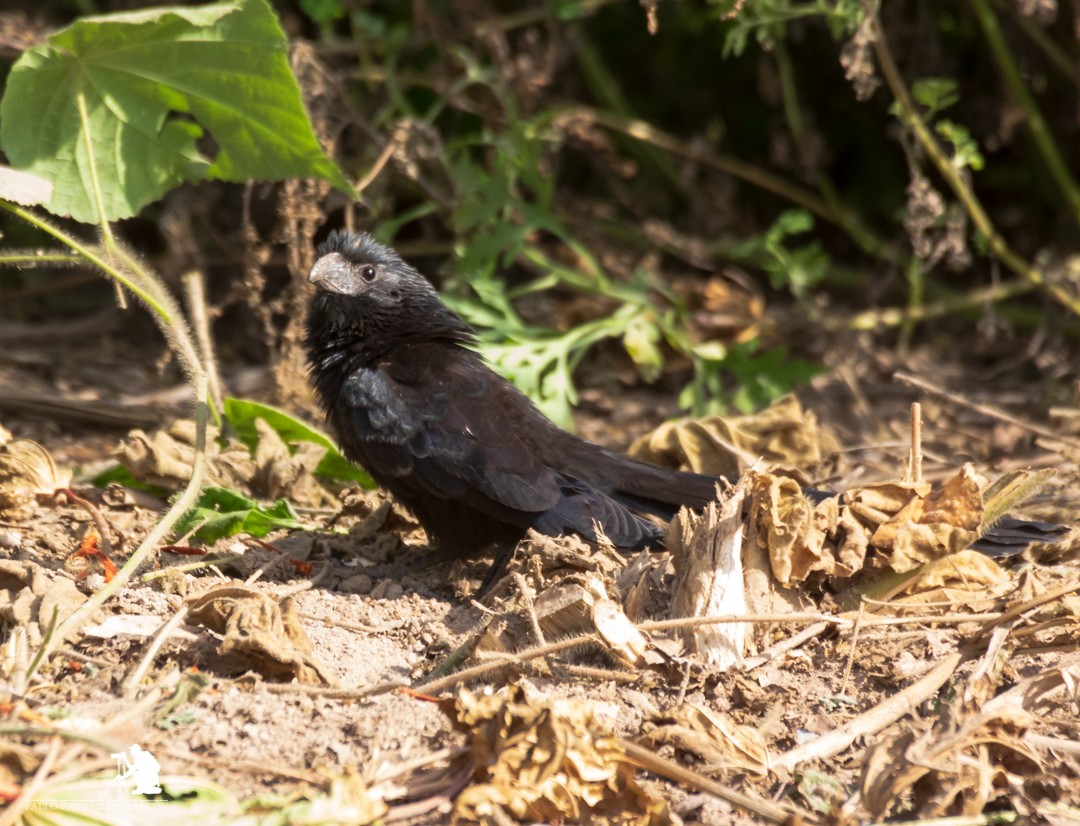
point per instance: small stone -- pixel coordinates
(387, 589)
(357, 584)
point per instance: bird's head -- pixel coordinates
(356, 265)
(366, 290)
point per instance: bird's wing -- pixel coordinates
(442, 423)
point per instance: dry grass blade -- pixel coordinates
(765, 809)
(874, 720)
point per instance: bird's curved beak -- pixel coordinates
(331, 271)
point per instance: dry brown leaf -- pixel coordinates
(717, 741)
(166, 458)
(27, 471)
(707, 550)
(945, 522)
(782, 515)
(783, 433)
(280, 472)
(257, 626)
(879, 502)
(548, 761)
(967, 578)
(950, 769)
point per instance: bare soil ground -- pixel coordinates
(959, 743)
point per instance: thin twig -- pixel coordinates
(782, 647)
(986, 409)
(854, 643)
(915, 460)
(334, 693)
(644, 131)
(103, 528)
(874, 720)
(387, 153)
(765, 809)
(131, 685)
(466, 674)
(1040, 131)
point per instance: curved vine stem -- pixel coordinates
(956, 180)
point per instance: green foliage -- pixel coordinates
(242, 415)
(123, 99)
(120, 475)
(935, 95)
(797, 268)
(761, 378)
(766, 20)
(323, 12)
(222, 512)
(965, 149)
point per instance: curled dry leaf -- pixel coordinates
(281, 472)
(783, 433)
(944, 521)
(551, 761)
(27, 471)
(950, 769)
(166, 458)
(896, 525)
(967, 578)
(266, 631)
(715, 740)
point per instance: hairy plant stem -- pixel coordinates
(183, 503)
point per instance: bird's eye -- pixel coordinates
(368, 273)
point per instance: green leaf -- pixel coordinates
(242, 415)
(120, 475)
(640, 341)
(126, 97)
(764, 377)
(797, 268)
(323, 12)
(965, 147)
(222, 512)
(935, 93)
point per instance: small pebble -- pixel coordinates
(387, 589)
(10, 540)
(358, 584)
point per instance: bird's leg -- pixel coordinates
(504, 552)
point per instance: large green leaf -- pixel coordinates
(125, 98)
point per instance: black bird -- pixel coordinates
(454, 441)
(450, 438)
